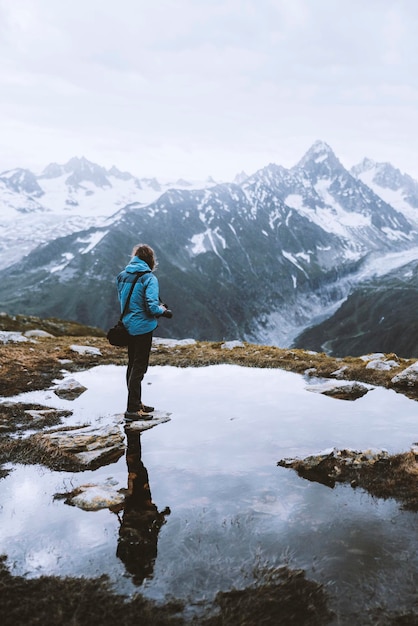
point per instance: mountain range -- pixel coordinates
(262, 258)
(64, 199)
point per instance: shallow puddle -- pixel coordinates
(232, 510)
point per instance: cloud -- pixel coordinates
(205, 85)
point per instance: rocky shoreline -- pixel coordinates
(34, 359)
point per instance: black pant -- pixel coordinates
(139, 348)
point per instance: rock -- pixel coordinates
(40, 414)
(372, 357)
(89, 446)
(332, 465)
(69, 389)
(230, 345)
(340, 391)
(7, 336)
(408, 377)
(86, 350)
(36, 332)
(340, 372)
(379, 364)
(161, 341)
(93, 497)
(159, 417)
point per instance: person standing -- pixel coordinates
(140, 320)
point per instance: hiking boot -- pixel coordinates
(147, 409)
(133, 416)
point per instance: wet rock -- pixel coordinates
(93, 497)
(332, 465)
(89, 446)
(408, 377)
(85, 350)
(382, 475)
(69, 389)
(40, 415)
(159, 417)
(346, 391)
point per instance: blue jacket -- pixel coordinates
(144, 303)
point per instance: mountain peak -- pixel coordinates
(22, 180)
(82, 170)
(80, 163)
(364, 166)
(114, 171)
(319, 151)
(319, 159)
(240, 177)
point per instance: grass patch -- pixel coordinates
(16, 417)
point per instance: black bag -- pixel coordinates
(118, 335)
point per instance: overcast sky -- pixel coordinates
(194, 88)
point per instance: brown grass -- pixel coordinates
(29, 366)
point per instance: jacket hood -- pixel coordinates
(137, 265)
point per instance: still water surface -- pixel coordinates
(232, 510)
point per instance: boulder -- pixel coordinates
(69, 389)
(381, 365)
(372, 357)
(340, 391)
(7, 336)
(88, 446)
(332, 465)
(37, 332)
(408, 377)
(93, 497)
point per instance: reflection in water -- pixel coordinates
(140, 521)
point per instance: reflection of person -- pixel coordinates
(141, 521)
(140, 321)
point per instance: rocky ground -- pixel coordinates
(33, 354)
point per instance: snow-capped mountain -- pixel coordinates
(397, 189)
(259, 259)
(65, 198)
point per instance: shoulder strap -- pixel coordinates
(125, 308)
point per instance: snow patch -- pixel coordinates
(92, 241)
(67, 258)
(207, 242)
(292, 259)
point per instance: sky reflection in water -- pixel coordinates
(232, 508)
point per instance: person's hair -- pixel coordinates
(145, 253)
